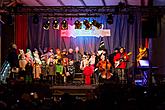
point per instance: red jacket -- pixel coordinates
(119, 56)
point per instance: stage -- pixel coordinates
(75, 90)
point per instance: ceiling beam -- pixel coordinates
(61, 2)
(103, 1)
(156, 10)
(39, 2)
(82, 1)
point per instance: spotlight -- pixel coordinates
(130, 18)
(64, 25)
(110, 19)
(78, 24)
(96, 24)
(55, 24)
(87, 24)
(46, 25)
(35, 19)
(120, 7)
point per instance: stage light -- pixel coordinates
(110, 19)
(78, 24)
(121, 5)
(64, 25)
(130, 19)
(55, 24)
(46, 25)
(87, 24)
(35, 19)
(96, 24)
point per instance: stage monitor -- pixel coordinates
(144, 63)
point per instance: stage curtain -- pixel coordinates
(123, 33)
(21, 31)
(38, 37)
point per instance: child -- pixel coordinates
(59, 72)
(70, 72)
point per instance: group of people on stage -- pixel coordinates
(60, 66)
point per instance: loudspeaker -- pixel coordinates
(149, 27)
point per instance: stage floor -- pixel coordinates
(78, 90)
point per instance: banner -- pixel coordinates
(71, 32)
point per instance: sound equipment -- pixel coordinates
(149, 27)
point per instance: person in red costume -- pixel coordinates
(120, 60)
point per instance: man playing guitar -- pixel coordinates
(120, 60)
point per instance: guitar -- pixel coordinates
(117, 63)
(142, 53)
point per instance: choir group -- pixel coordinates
(61, 66)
